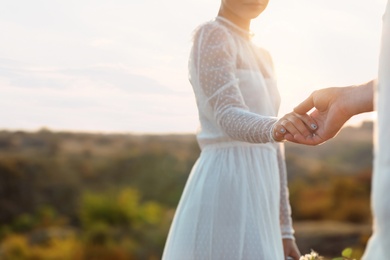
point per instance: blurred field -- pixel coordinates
(95, 196)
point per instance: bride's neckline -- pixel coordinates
(250, 34)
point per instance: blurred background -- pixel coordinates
(98, 122)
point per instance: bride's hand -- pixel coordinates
(291, 249)
(294, 126)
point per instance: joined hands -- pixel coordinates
(332, 108)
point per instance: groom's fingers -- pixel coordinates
(309, 121)
(305, 106)
(313, 139)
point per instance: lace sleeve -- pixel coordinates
(214, 66)
(285, 208)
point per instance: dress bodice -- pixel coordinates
(238, 86)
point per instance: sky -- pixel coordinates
(121, 66)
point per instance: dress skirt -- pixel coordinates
(229, 208)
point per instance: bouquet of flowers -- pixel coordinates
(312, 256)
(345, 255)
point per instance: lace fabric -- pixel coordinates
(215, 63)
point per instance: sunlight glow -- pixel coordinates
(122, 66)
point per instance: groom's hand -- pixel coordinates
(329, 114)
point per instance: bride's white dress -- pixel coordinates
(235, 204)
(379, 244)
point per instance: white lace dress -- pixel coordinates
(235, 204)
(379, 244)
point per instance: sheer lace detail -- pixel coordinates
(285, 208)
(213, 74)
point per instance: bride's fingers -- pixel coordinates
(309, 121)
(278, 137)
(296, 126)
(278, 132)
(289, 137)
(313, 139)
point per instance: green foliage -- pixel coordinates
(108, 208)
(346, 254)
(115, 225)
(24, 223)
(120, 209)
(112, 217)
(15, 248)
(98, 234)
(333, 197)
